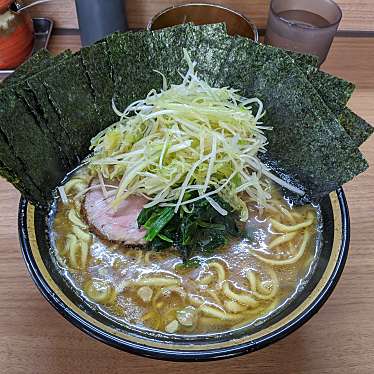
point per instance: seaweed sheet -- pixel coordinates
(212, 51)
(117, 51)
(13, 170)
(98, 67)
(309, 62)
(37, 62)
(143, 53)
(33, 150)
(8, 173)
(356, 127)
(334, 91)
(167, 47)
(70, 94)
(127, 54)
(35, 96)
(307, 143)
(161, 51)
(13, 167)
(300, 118)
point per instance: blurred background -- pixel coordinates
(358, 14)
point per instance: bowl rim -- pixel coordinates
(180, 355)
(212, 5)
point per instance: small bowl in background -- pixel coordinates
(16, 39)
(201, 14)
(4, 5)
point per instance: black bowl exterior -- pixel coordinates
(36, 251)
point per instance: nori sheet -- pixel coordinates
(70, 94)
(134, 75)
(37, 62)
(117, 51)
(9, 174)
(98, 68)
(122, 55)
(13, 170)
(160, 50)
(356, 127)
(304, 59)
(335, 91)
(257, 76)
(36, 98)
(307, 144)
(29, 99)
(310, 117)
(212, 51)
(167, 48)
(38, 156)
(136, 56)
(12, 166)
(143, 52)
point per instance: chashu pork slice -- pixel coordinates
(116, 226)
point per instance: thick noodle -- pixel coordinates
(245, 281)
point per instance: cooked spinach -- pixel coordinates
(192, 263)
(157, 222)
(199, 229)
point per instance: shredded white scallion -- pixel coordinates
(184, 138)
(64, 198)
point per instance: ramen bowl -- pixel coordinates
(37, 252)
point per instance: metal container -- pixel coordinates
(99, 18)
(200, 13)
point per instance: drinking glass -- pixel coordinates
(306, 26)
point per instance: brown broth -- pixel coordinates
(107, 274)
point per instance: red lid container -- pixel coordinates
(4, 5)
(16, 39)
